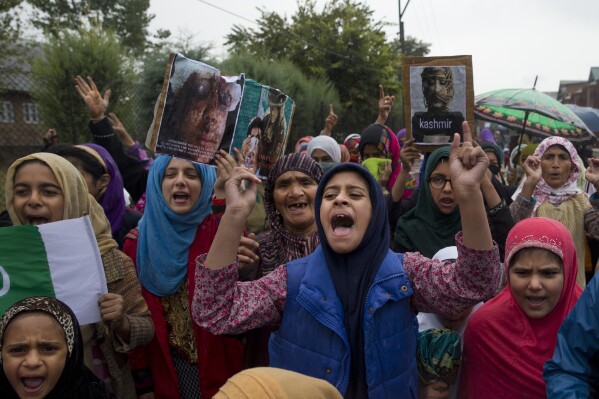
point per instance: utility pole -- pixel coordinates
(402, 40)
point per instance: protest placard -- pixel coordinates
(200, 111)
(263, 126)
(438, 97)
(196, 112)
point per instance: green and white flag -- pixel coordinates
(59, 259)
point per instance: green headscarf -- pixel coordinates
(425, 228)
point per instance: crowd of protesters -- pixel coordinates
(362, 269)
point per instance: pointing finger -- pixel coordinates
(467, 133)
(381, 91)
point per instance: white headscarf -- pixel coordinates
(327, 144)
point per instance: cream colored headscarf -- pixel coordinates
(273, 383)
(77, 200)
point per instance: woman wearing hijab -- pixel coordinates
(550, 190)
(509, 338)
(301, 146)
(347, 311)
(324, 149)
(378, 141)
(59, 371)
(486, 135)
(104, 183)
(435, 220)
(182, 361)
(273, 383)
(289, 201)
(352, 143)
(495, 166)
(44, 188)
(290, 212)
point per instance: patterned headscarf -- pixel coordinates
(165, 236)
(75, 380)
(49, 305)
(554, 196)
(77, 200)
(352, 142)
(386, 142)
(278, 245)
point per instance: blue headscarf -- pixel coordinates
(165, 236)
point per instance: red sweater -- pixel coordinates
(219, 356)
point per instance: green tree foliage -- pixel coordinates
(9, 25)
(312, 95)
(87, 53)
(129, 19)
(343, 44)
(413, 47)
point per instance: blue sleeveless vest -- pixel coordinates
(312, 338)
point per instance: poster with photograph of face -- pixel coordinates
(197, 111)
(263, 126)
(439, 97)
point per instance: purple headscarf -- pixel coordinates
(487, 135)
(401, 134)
(113, 201)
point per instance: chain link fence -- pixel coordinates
(22, 128)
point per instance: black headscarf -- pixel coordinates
(487, 146)
(354, 272)
(76, 381)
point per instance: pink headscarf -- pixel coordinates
(544, 192)
(504, 349)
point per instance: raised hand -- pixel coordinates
(224, 169)
(408, 155)
(467, 164)
(96, 103)
(385, 170)
(240, 192)
(385, 105)
(50, 137)
(592, 172)
(532, 169)
(120, 130)
(330, 121)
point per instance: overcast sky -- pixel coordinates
(511, 41)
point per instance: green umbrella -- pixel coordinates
(533, 112)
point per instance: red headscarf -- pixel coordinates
(504, 350)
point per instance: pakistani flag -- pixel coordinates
(59, 259)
